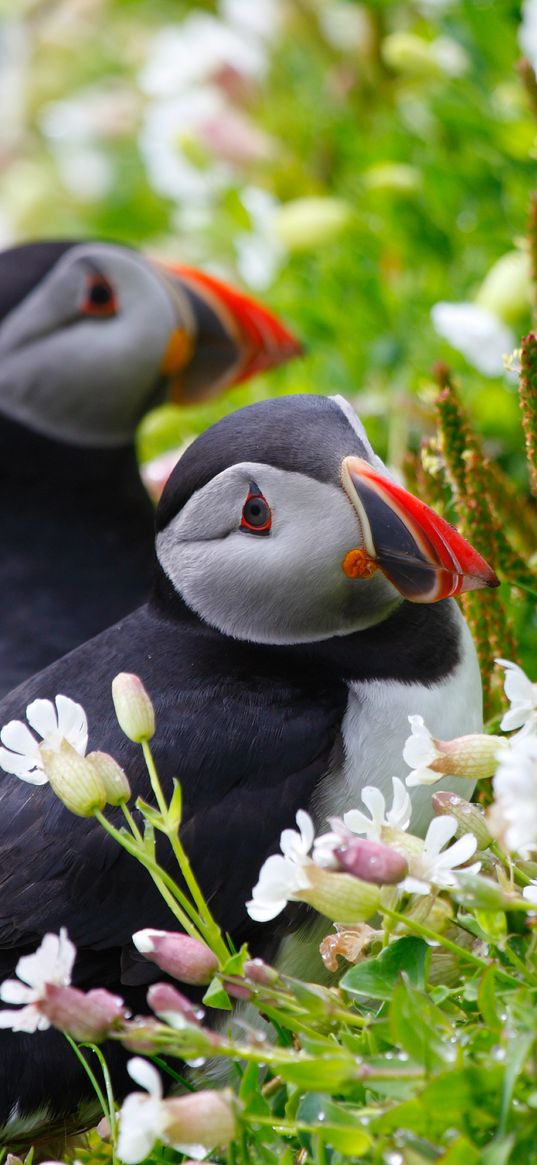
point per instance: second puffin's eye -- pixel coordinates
(256, 513)
(99, 299)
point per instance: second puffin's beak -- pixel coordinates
(420, 553)
(223, 336)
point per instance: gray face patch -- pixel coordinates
(81, 378)
(287, 587)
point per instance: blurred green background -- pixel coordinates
(192, 130)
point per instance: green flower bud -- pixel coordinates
(73, 779)
(340, 897)
(307, 223)
(506, 290)
(111, 774)
(133, 707)
(470, 818)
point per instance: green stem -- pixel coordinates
(93, 1080)
(213, 932)
(515, 582)
(131, 823)
(440, 939)
(170, 892)
(112, 1116)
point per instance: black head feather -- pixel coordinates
(22, 268)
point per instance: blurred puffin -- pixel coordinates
(301, 610)
(92, 335)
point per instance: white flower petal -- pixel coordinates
(265, 911)
(401, 811)
(307, 831)
(375, 801)
(72, 723)
(25, 1019)
(141, 1123)
(41, 716)
(51, 963)
(13, 991)
(357, 822)
(423, 776)
(17, 737)
(145, 1074)
(26, 768)
(413, 885)
(457, 854)
(419, 749)
(530, 893)
(440, 831)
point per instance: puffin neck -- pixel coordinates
(28, 456)
(417, 643)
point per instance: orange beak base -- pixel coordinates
(424, 557)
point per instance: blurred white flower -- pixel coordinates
(476, 332)
(530, 893)
(398, 817)
(85, 171)
(527, 33)
(513, 817)
(261, 20)
(522, 696)
(197, 50)
(143, 1118)
(282, 875)
(65, 722)
(436, 865)
(179, 164)
(51, 964)
(259, 253)
(347, 27)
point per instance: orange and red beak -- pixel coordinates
(421, 554)
(223, 337)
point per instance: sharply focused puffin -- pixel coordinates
(92, 335)
(288, 636)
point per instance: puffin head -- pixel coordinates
(93, 334)
(280, 525)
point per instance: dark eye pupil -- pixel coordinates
(256, 512)
(100, 294)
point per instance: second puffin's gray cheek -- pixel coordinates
(284, 588)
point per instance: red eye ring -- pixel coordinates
(256, 513)
(100, 298)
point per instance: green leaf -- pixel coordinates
(517, 1053)
(322, 1074)
(376, 978)
(493, 923)
(217, 996)
(339, 1126)
(175, 808)
(235, 964)
(498, 1152)
(420, 1027)
(486, 998)
(461, 1152)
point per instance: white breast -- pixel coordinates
(376, 726)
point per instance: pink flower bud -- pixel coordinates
(372, 862)
(143, 1036)
(206, 1118)
(259, 972)
(84, 1016)
(134, 710)
(185, 958)
(173, 1007)
(237, 990)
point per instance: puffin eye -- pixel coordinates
(99, 299)
(256, 512)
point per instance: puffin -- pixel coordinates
(302, 607)
(93, 335)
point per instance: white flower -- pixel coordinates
(522, 695)
(436, 865)
(527, 33)
(530, 893)
(514, 813)
(198, 50)
(398, 817)
(419, 752)
(51, 964)
(143, 1117)
(475, 332)
(21, 754)
(282, 875)
(180, 165)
